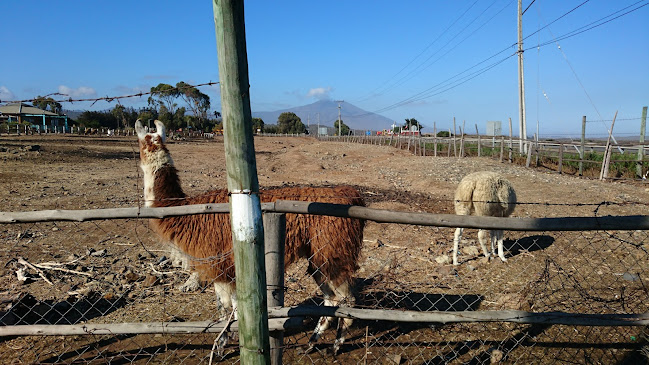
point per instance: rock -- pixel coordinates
(471, 250)
(444, 259)
(630, 277)
(496, 356)
(100, 253)
(446, 270)
(393, 359)
(131, 277)
(151, 280)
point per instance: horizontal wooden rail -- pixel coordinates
(635, 222)
(282, 318)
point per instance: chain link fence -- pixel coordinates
(119, 286)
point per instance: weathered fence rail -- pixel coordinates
(348, 211)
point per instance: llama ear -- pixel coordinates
(139, 129)
(160, 130)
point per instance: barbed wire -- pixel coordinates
(104, 98)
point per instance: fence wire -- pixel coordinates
(116, 272)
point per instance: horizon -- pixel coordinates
(582, 58)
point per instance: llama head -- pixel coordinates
(153, 151)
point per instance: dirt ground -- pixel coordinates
(115, 271)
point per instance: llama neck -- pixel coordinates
(161, 184)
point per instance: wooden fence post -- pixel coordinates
(434, 139)
(643, 123)
(454, 140)
(461, 142)
(607, 152)
(274, 238)
(583, 142)
(529, 154)
(560, 167)
(479, 142)
(511, 146)
(243, 184)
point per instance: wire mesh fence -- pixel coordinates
(115, 272)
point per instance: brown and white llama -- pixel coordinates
(484, 193)
(332, 245)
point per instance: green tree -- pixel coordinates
(271, 128)
(198, 103)
(165, 116)
(344, 129)
(257, 124)
(147, 116)
(289, 122)
(164, 95)
(48, 103)
(411, 122)
(119, 112)
(94, 119)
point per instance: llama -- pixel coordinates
(332, 245)
(484, 193)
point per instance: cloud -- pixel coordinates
(320, 93)
(6, 94)
(81, 91)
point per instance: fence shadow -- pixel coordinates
(528, 244)
(369, 297)
(28, 310)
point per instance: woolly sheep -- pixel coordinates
(484, 193)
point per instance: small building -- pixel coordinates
(38, 119)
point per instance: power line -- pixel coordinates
(425, 66)
(421, 53)
(105, 98)
(589, 27)
(430, 92)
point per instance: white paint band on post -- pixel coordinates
(246, 215)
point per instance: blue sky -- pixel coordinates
(377, 55)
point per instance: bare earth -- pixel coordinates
(114, 271)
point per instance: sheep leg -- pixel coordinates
(501, 253)
(456, 243)
(482, 238)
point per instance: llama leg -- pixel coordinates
(333, 296)
(482, 238)
(456, 243)
(323, 322)
(343, 297)
(193, 283)
(226, 295)
(501, 252)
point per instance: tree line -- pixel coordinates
(183, 107)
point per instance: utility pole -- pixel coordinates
(339, 121)
(521, 81)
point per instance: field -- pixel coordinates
(114, 271)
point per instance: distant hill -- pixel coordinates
(73, 114)
(352, 116)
